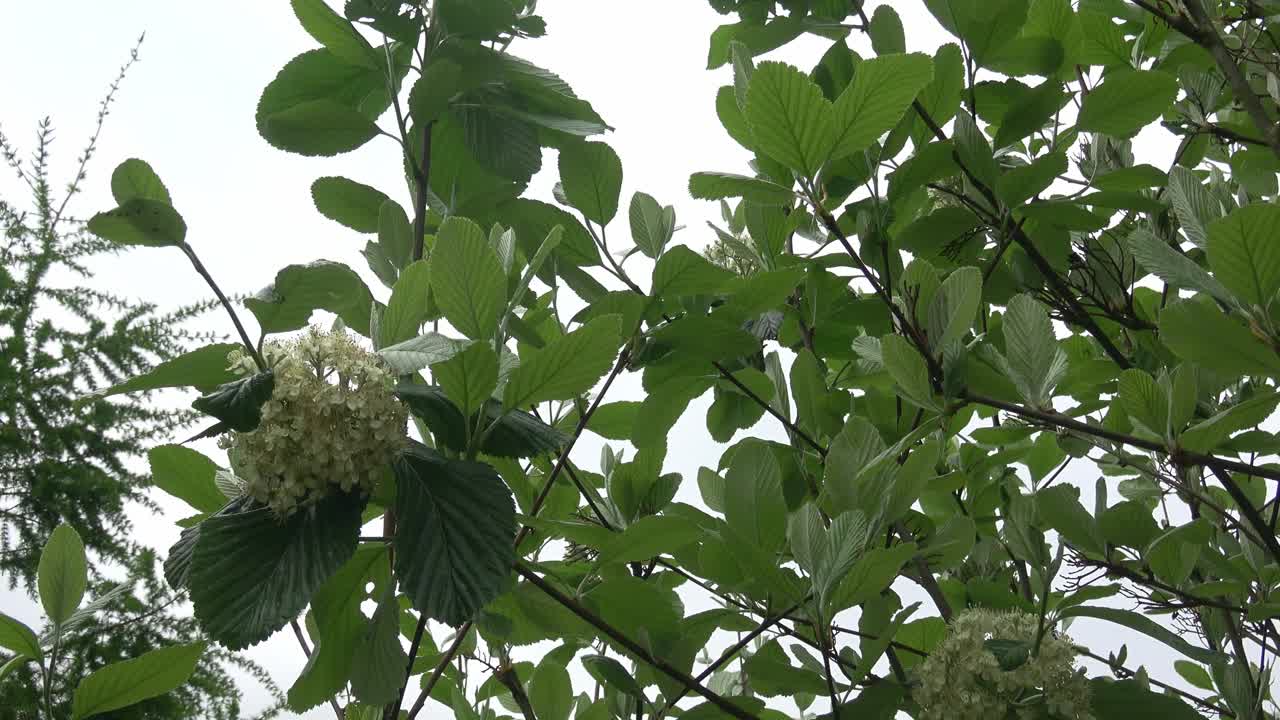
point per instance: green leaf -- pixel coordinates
(417, 353)
(467, 279)
(1207, 435)
(1243, 254)
(128, 682)
(986, 26)
(203, 368)
(1146, 403)
(754, 505)
(1199, 332)
(1129, 700)
(469, 377)
(1171, 266)
(251, 573)
(516, 433)
(771, 673)
(1059, 508)
(140, 221)
(238, 404)
(1126, 101)
(334, 32)
(134, 178)
(1194, 674)
(318, 127)
(378, 663)
(941, 97)
(908, 370)
(789, 118)
(63, 574)
(300, 290)
(717, 186)
(610, 672)
(1030, 112)
(18, 638)
(1146, 626)
(648, 538)
(318, 85)
(461, 518)
(1017, 185)
(955, 307)
(1193, 204)
(336, 611)
(1036, 363)
(395, 234)
(651, 225)
(550, 691)
(186, 475)
(407, 307)
(681, 271)
(871, 574)
(872, 105)
(567, 367)
(887, 36)
(433, 90)
(348, 202)
(591, 174)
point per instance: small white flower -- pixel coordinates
(317, 437)
(962, 679)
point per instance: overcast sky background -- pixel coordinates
(187, 108)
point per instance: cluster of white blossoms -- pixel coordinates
(963, 680)
(332, 422)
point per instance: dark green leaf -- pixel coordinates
(238, 404)
(461, 518)
(251, 573)
(567, 367)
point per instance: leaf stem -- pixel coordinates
(226, 304)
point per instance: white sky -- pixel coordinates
(188, 108)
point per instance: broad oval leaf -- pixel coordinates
(251, 573)
(1126, 101)
(459, 519)
(790, 120)
(63, 574)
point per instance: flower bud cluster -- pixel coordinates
(332, 423)
(962, 678)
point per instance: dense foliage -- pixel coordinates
(945, 276)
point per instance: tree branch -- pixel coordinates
(631, 646)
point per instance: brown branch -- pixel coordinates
(507, 676)
(438, 671)
(790, 426)
(1206, 36)
(631, 646)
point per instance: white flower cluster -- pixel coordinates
(962, 678)
(332, 422)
